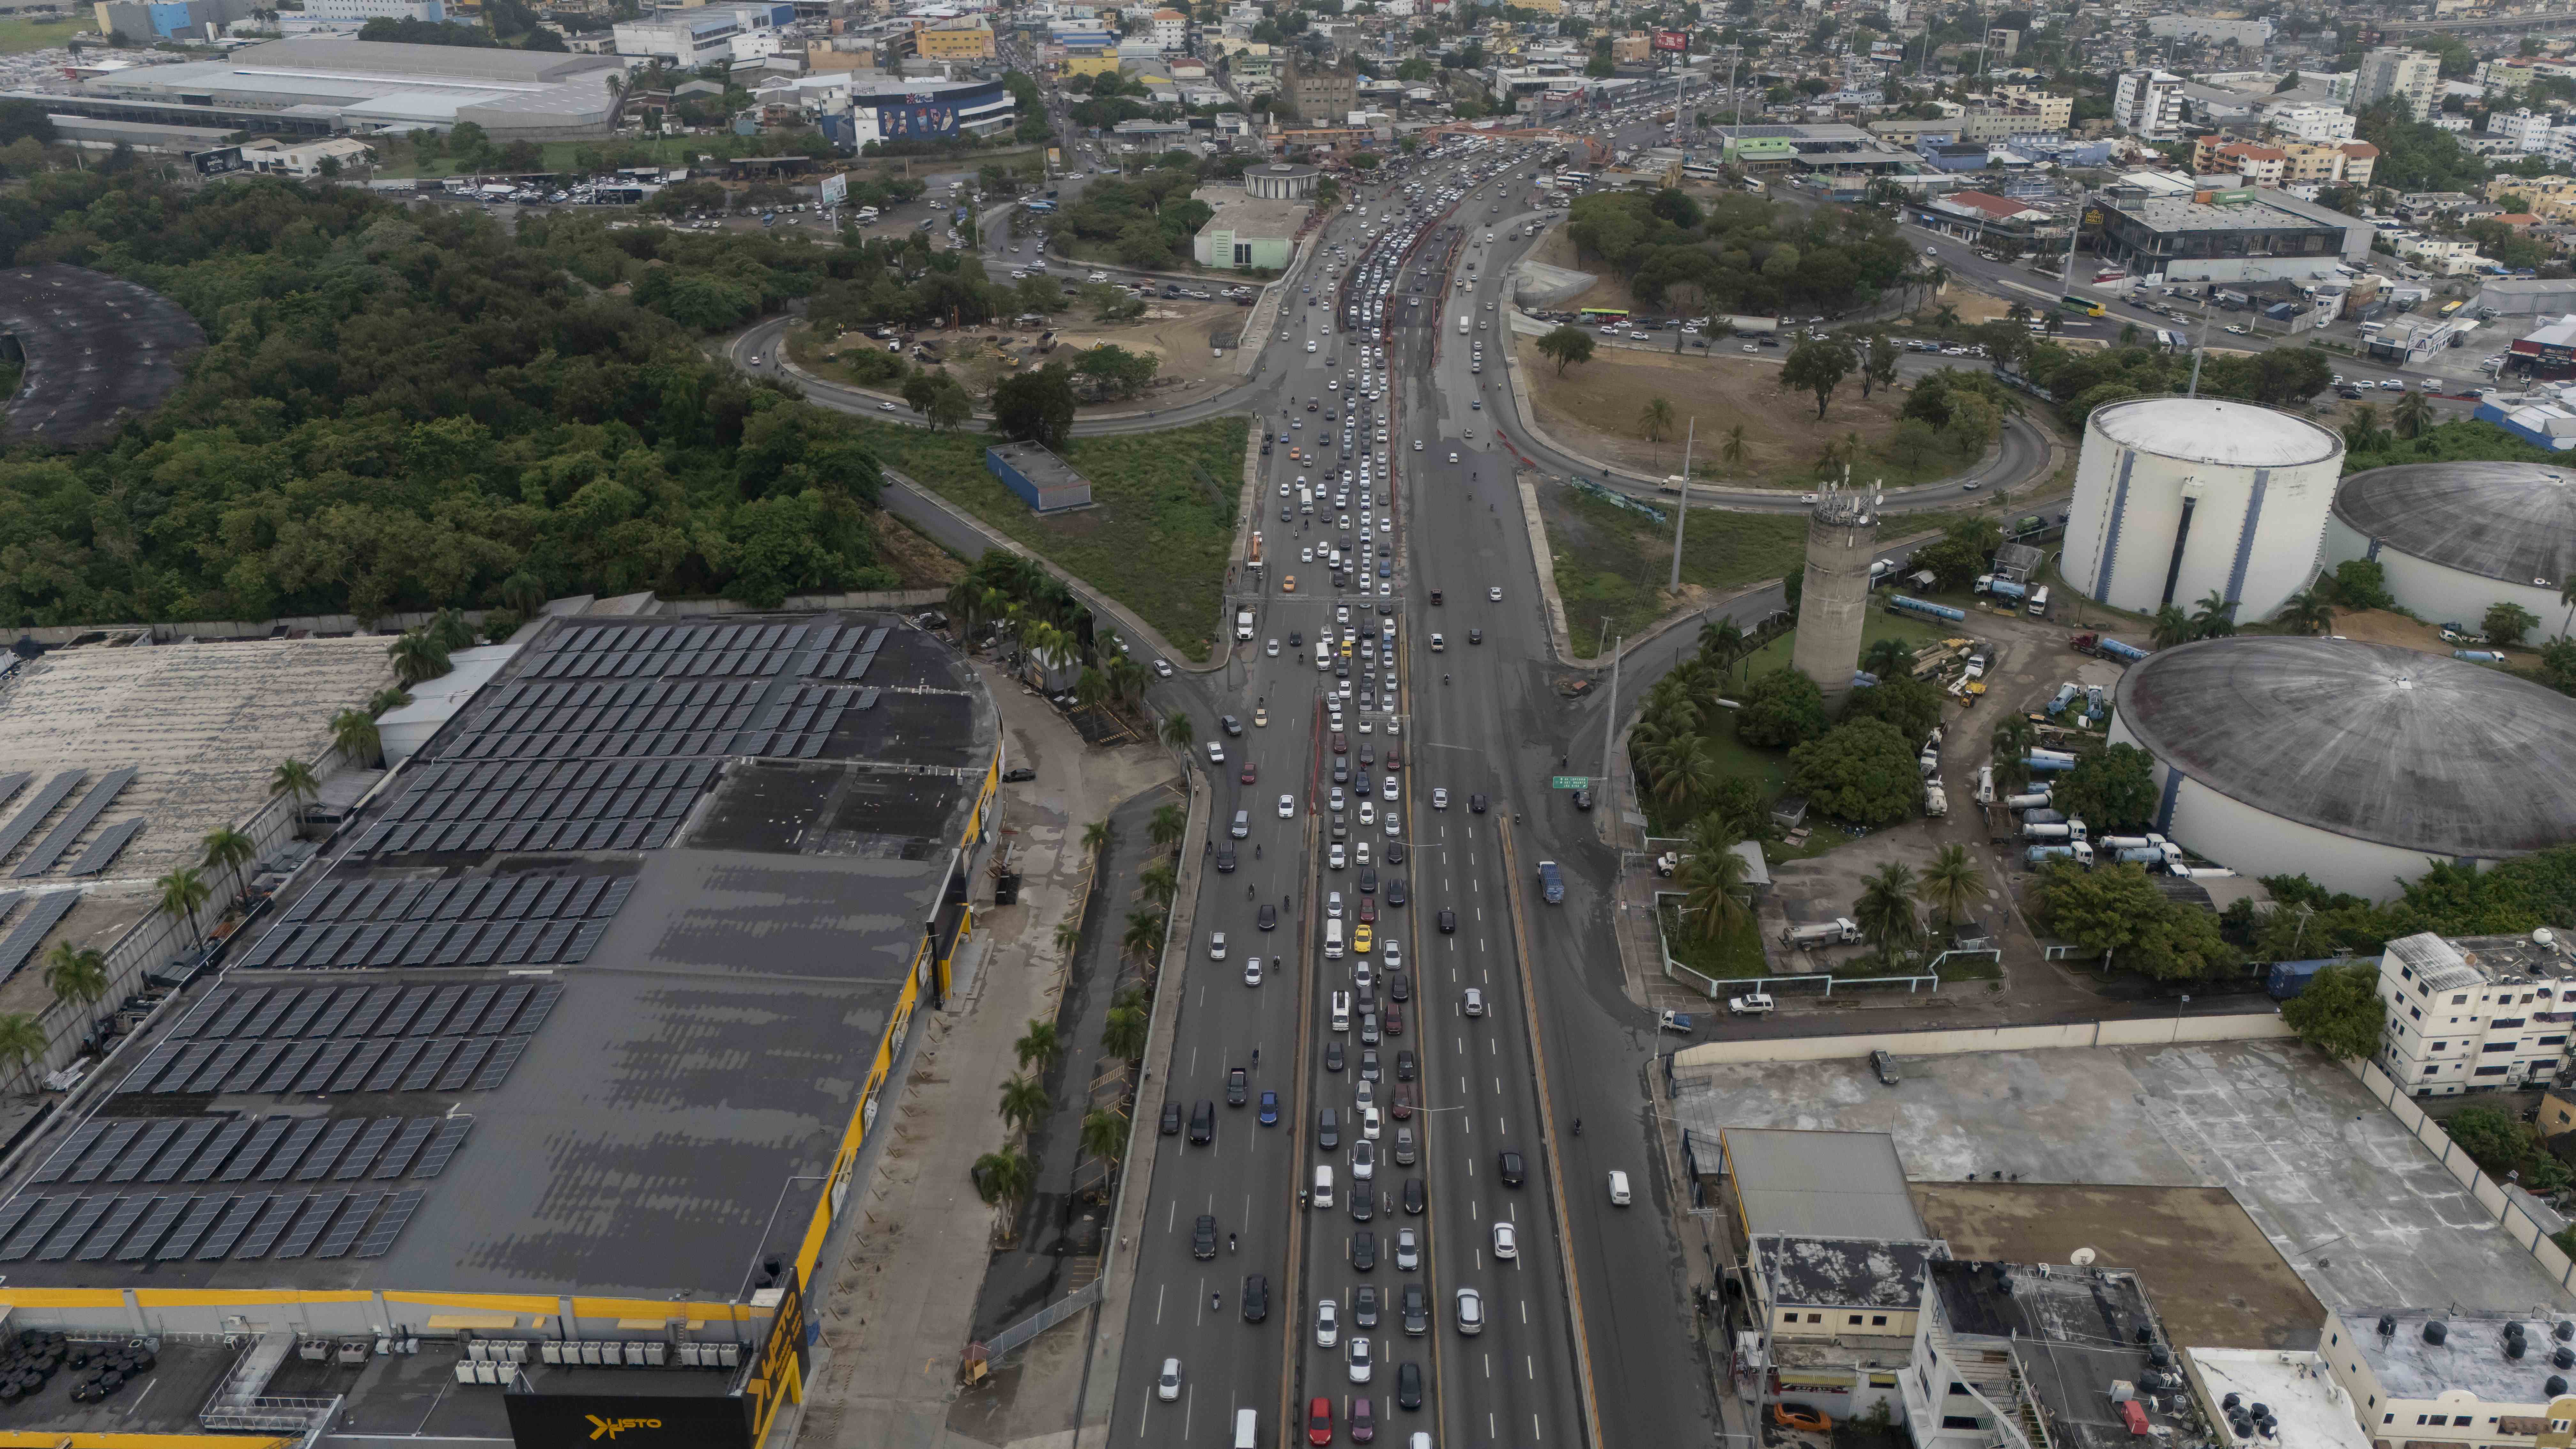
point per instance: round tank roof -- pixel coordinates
(2208, 430)
(2515, 522)
(2372, 741)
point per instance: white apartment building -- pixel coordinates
(2149, 104)
(2527, 132)
(2476, 1012)
(2412, 76)
(2448, 1378)
(366, 10)
(2311, 123)
(1171, 29)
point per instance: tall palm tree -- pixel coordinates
(182, 891)
(1177, 732)
(1712, 881)
(1169, 824)
(1024, 1101)
(22, 1041)
(1160, 881)
(229, 849)
(1095, 836)
(1144, 933)
(1129, 679)
(1885, 910)
(1656, 419)
(1090, 689)
(523, 593)
(1691, 773)
(1068, 936)
(2213, 617)
(2306, 612)
(76, 973)
(353, 733)
(1104, 1134)
(417, 656)
(1888, 658)
(2413, 413)
(1945, 315)
(1719, 639)
(2171, 627)
(1123, 1032)
(1951, 885)
(1005, 1178)
(1732, 448)
(1038, 1045)
(447, 629)
(294, 780)
(2567, 596)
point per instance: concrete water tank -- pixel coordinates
(2179, 498)
(1833, 598)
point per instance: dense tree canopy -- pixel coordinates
(1743, 254)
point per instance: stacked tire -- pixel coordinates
(27, 1362)
(103, 1369)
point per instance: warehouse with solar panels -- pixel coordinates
(2455, 539)
(2357, 765)
(535, 1099)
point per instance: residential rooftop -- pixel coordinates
(1842, 1272)
(1819, 1184)
(2076, 1330)
(2314, 1411)
(2470, 1358)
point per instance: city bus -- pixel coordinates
(1598, 315)
(2080, 306)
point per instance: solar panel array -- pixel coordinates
(69, 828)
(213, 1226)
(798, 724)
(515, 920)
(332, 1039)
(20, 944)
(24, 823)
(543, 804)
(111, 842)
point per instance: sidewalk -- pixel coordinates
(896, 1310)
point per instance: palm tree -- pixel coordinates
(1712, 879)
(22, 1040)
(76, 973)
(1024, 1101)
(2014, 735)
(1656, 419)
(1170, 823)
(1129, 679)
(1104, 1134)
(353, 733)
(417, 656)
(1945, 315)
(1690, 773)
(386, 698)
(1177, 732)
(1090, 689)
(2018, 313)
(447, 628)
(1161, 882)
(182, 892)
(2413, 413)
(1068, 936)
(229, 849)
(1732, 448)
(1004, 1178)
(1719, 639)
(1123, 1033)
(1095, 836)
(524, 593)
(1144, 933)
(2306, 612)
(1951, 885)
(1038, 1044)
(294, 780)
(1888, 658)
(2171, 627)
(2213, 617)
(1885, 910)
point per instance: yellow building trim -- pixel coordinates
(62, 1297)
(242, 1297)
(544, 1303)
(475, 1322)
(657, 1311)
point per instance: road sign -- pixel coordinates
(1572, 782)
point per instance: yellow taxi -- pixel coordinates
(1288, 585)
(1260, 715)
(1360, 938)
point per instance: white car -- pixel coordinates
(1453, 455)
(1216, 946)
(1507, 1240)
(1328, 1323)
(1287, 807)
(1471, 1311)
(1361, 1360)
(1371, 1123)
(1368, 812)
(1168, 1387)
(1252, 971)
(1163, 667)
(1333, 858)
(1388, 793)
(1273, 650)
(1494, 594)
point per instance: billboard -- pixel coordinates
(836, 189)
(917, 116)
(1672, 40)
(630, 1421)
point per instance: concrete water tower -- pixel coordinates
(1833, 602)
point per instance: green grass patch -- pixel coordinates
(1734, 956)
(1158, 536)
(17, 37)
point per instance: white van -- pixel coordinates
(1323, 1194)
(2039, 602)
(1333, 942)
(1618, 1188)
(1247, 1427)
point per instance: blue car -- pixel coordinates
(1270, 1109)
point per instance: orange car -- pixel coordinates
(1800, 1416)
(1288, 585)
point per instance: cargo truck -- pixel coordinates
(2076, 851)
(1841, 931)
(2001, 588)
(1936, 801)
(2101, 647)
(2288, 978)
(1902, 604)
(2066, 693)
(2031, 800)
(1243, 626)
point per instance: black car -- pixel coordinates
(1017, 773)
(1583, 798)
(1509, 1165)
(1395, 892)
(1171, 1119)
(1363, 1202)
(1203, 1122)
(1477, 803)
(1368, 880)
(1333, 1055)
(1475, 636)
(1394, 849)
(1396, 988)
(1268, 919)
(1238, 1087)
(1363, 1252)
(1404, 1065)
(1203, 1237)
(1364, 1306)
(1448, 921)
(1256, 1297)
(1296, 638)
(1225, 860)
(1417, 1310)
(1232, 725)
(1408, 1385)
(1328, 1129)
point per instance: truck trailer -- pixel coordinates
(2076, 851)
(1839, 932)
(1902, 604)
(2001, 588)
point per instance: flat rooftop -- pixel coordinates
(2181, 213)
(1255, 215)
(1843, 1272)
(99, 349)
(2075, 1330)
(586, 1002)
(2314, 1411)
(2350, 1200)
(2470, 1356)
(1811, 1183)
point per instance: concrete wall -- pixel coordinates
(2438, 592)
(2516, 1223)
(2144, 1031)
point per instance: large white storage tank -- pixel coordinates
(2455, 539)
(2179, 498)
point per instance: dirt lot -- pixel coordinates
(980, 357)
(920, 563)
(1593, 410)
(1556, 249)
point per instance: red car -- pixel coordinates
(1403, 1106)
(1394, 1022)
(1319, 1421)
(1251, 773)
(1341, 743)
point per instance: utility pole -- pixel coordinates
(2200, 351)
(1681, 515)
(1610, 721)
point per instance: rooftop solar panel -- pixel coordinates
(336, 1013)
(380, 1239)
(344, 1232)
(327, 1065)
(236, 1221)
(477, 1001)
(23, 938)
(262, 1059)
(434, 1017)
(84, 1217)
(442, 1146)
(424, 947)
(275, 940)
(14, 1212)
(496, 1018)
(120, 1221)
(130, 1163)
(69, 828)
(390, 1070)
(157, 1224)
(318, 1164)
(180, 1067)
(398, 1020)
(227, 1138)
(12, 782)
(307, 1006)
(264, 1021)
(111, 1146)
(299, 1138)
(228, 1055)
(496, 1067)
(238, 1009)
(360, 1063)
(70, 1152)
(201, 1215)
(24, 823)
(282, 1210)
(263, 1140)
(397, 1157)
(38, 1225)
(288, 1068)
(362, 948)
(141, 1078)
(433, 901)
(460, 1068)
(370, 1142)
(432, 1060)
(111, 842)
(166, 1166)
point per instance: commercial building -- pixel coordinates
(321, 86)
(2526, 296)
(2455, 539)
(2225, 236)
(2249, 34)
(1983, 217)
(2455, 1378)
(2025, 1357)
(308, 158)
(2311, 123)
(1281, 181)
(2411, 77)
(353, 13)
(1171, 30)
(1247, 233)
(2148, 104)
(2306, 1407)
(1841, 1314)
(1043, 481)
(1322, 94)
(563, 1061)
(698, 36)
(954, 40)
(2357, 765)
(2475, 1014)
(145, 21)
(897, 109)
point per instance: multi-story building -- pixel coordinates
(2453, 1378)
(2149, 104)
(2251, 34)
(1842, 1314)
(1171, 30)
(2242, 236)
(2259, 165)
(2014, 1357)
(142, 22)
(1323, 93)
(954, 40)
(1634, 49)
(2527, 131)
(2474, 1012)
(2553, 197)
(2412, 77)
(2347, 163)
(2311, 123)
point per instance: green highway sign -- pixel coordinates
(1573, 782)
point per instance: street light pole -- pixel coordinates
(1681, 515)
